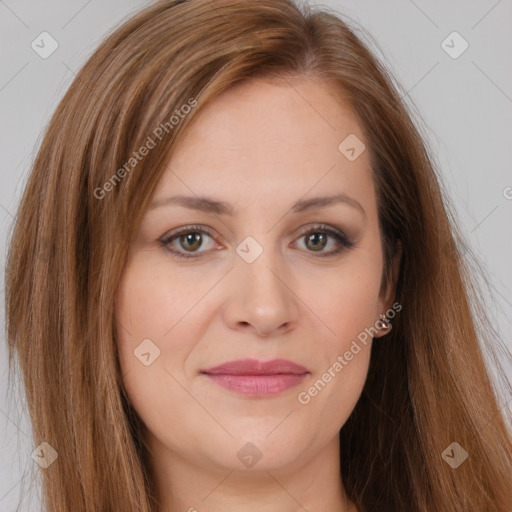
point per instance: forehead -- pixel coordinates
(264, 139)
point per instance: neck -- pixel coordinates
(194, 485)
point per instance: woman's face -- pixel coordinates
(254, 286)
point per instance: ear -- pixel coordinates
(388, 296)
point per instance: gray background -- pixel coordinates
(463, 105)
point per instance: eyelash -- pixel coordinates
(344, 242)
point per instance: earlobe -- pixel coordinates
(384, 326)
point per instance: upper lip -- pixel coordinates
(256, 367)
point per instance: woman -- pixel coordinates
(246, 290)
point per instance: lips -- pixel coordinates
(251, 377)
(256, 367)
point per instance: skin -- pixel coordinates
(260, 146)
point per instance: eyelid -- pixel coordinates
(175, 233)
(341, 238)
(339, 235)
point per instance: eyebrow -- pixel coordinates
(210, 205)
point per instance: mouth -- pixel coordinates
(254, 378)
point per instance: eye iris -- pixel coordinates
(189, 239)
(315, 237)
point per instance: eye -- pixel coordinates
(189, 239)
(317, 238)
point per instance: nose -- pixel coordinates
(262, 300)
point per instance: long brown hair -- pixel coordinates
(427, 386)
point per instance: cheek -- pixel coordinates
(331, 393)
(153, 304)
(346, 300)
(147, 303)
(347, 305)
(145, 310)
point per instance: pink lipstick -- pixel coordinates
(254, 378)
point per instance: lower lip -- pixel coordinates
(257, 385)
